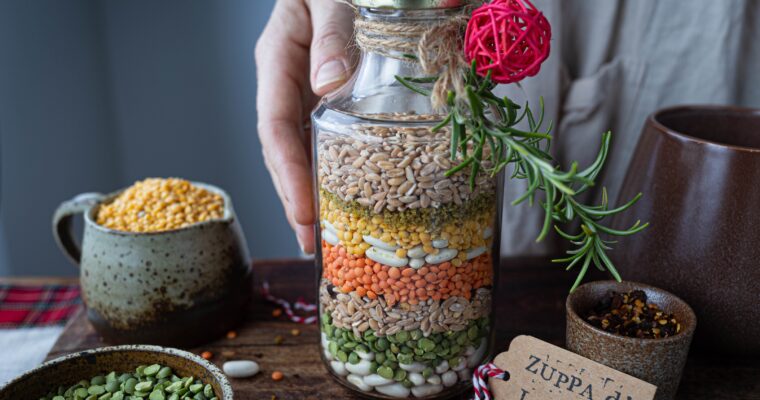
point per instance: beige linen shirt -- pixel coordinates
(614, 62)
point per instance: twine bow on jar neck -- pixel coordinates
(437, 47)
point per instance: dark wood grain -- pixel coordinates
(530, 300)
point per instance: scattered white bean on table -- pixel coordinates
(241, 368)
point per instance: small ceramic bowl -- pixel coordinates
(69, 369)
(657, 361)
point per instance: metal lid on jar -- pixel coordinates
(409, 4)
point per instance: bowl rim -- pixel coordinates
(654, 121)
(224, 383)
(683, 335)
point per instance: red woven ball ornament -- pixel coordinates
(510, 38)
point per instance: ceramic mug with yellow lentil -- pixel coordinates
(158, 260)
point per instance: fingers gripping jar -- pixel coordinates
(407, 255)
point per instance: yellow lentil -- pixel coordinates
(157, 204)
(461, 234)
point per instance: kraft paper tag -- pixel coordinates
(539, 370)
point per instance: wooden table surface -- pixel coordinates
(530, 300)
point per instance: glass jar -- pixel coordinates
(406, 256)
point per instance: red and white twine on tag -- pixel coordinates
(480, 380)
(299, 305)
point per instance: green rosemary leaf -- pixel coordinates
(582, 272)
(637, 227)
(422, 79)
(442, 124)
(567, 235)
(607, 262)
(411, 87)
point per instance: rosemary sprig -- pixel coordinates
(484, 128)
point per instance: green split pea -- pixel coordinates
(148, 382)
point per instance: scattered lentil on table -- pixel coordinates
(152, 382)
(157, 204)
(277, 376)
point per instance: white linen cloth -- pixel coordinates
(24, 349)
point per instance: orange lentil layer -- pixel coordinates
(405, 285)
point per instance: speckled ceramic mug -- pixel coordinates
(181, 287)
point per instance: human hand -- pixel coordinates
(300, 56)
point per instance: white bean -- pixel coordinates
(477, 356)
(426, 390)
(449, 378)
(416, 252)
(330, 237)
(416, 263)
(373, 241)
(357, 381)
(393, 390)
(472, 253)
(386, 257)
(416, 378)
(339, 368)
(241, 368)
(442, 256)
(328, 355)
(487, 232)
(365, 355)
(376, 380)
(361, 368)
(434, 379)
(442, 367)
(440, 243)
(413, 367)
(330, 227)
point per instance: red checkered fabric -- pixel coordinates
(29, 306)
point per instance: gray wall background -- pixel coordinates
(97, 94)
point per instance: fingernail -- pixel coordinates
(330, 72)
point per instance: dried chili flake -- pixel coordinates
(629, 314)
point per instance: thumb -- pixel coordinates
(332, 25)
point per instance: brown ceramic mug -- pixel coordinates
(699, 170)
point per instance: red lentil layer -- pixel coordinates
(405, 285)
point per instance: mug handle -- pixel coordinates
(62, 230)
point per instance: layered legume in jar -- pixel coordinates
(407, 261)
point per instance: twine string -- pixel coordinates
(437, 47)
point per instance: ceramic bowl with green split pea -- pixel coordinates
(114, 366)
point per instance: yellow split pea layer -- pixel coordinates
(462, 226)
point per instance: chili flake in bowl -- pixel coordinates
(629, 314)
(637, 329)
